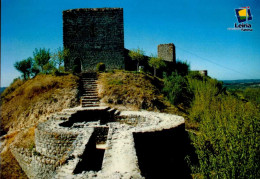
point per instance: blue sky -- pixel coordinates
(197, 28)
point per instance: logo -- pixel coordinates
(243, 15)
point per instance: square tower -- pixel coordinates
(93, 35)
(167, 52)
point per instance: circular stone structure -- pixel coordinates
(100, 142)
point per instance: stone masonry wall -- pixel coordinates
(34, 164)
(53, 144)
(60, 149)
(167, 52)
(24, 158)
(93, 36)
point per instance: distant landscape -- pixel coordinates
(235, 84)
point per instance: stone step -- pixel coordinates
(89, 96)
(94, 93)
(94, 85)
(92, 98)
(88, 81)
(93, 88)
(89, 100)
(89, 86)
(90, 91)
(95, 105)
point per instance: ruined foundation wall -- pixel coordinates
(53, 144)
(93, 36)
(24, 158)
(34, 164)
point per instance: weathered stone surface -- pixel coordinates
(167, 52)
(94, 35)
(61, 145)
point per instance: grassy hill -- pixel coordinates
(130, 90)
(225, 129)
(26, 103)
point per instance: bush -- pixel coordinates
(101, 67)
(227, 143)
(182, 68)
(253, 95)
(176, 89)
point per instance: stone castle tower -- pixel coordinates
(167, 52)
(93, 35)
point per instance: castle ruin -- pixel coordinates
(94, 35)
(167, 52)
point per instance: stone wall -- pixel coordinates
(202, 72)
(93, 36)
(167, 52)
(111, 149)
(51, 143)
(24, 158)
(33, 163)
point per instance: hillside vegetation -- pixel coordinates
(130, 90)
(228, 135)
(26, 103)
(225, 130)
(224, 126)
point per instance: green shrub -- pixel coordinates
(252, 94)
(227, 143)
(101, 67)
(182, 68)
(176, 89)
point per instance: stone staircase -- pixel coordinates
(89, 86)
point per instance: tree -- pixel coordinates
(41, 57)
(156, 63)
(59, 57)
(138, 55)
(24, 67)
(35, 70)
